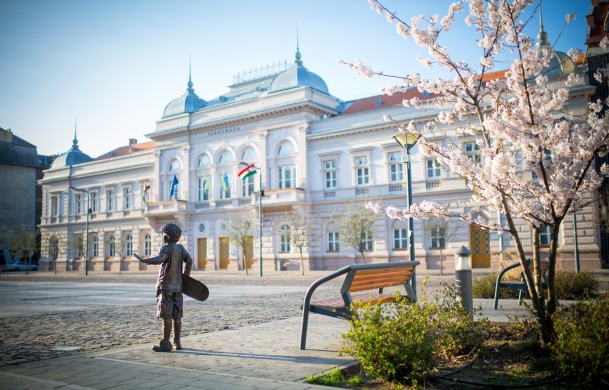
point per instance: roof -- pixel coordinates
(298, 76)
(383, 101)
(127, 150)
(17, 151)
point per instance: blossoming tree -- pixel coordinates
(520, 122)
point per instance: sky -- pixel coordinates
(109, 68)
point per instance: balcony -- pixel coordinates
(167, 208)
(279, 200)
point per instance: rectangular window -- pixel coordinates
(544, 236)
(93, 200)
(330, 174)
(367, 241)
(109, 200)
(95, 247)
(286, 177)
(284, 243)
(54, 206)
(247, 186)
(433, 169)
(437, 237)
(333, 242)
(127, 198)
(202, 189)
(396, 168)
(362, 171)
(78, 204)
(472, 150)
(400, 238)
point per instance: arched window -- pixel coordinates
(225, 157)
(204, 161)
(147, 245)
(248, 154)
(174, 166)
(285, 148)
(129, 251)
(95, 246)
(284, 238)
(112, 247)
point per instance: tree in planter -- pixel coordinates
(240, 231)
(302, 233)
(517, 122)
(23, 242)
(441, 230)
(355, 227)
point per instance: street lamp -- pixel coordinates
(407, 141)
(86, 229)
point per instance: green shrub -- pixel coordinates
(581, 347)
(484, 287)
(570, 285)
(399, 341)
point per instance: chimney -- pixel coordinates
(132, 141)
(6, 135)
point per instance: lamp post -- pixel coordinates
(407, 141)
(260, 192)
(86, 230)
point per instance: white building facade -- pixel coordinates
(313, 152)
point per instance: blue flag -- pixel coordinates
(174, 183)
(225, 184)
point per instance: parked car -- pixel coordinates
(20, 266)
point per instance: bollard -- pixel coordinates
(463, 278)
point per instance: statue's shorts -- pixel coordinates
(169, 304)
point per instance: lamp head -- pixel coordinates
(407, 140)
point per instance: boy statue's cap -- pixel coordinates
(172, 232)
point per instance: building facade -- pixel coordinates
(314, 154)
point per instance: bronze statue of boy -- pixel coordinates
(174, 260)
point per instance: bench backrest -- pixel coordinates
(379, 277)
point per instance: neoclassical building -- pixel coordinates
(314, 153)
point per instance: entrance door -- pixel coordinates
(249, 251)
(481, 247)
(224, 248)
(201, 253)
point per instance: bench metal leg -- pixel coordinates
(496, 294)
(303, 328)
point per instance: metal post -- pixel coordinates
(575, 242)
(87, 237)
(260, 219)
(86, 229)
(411, 223)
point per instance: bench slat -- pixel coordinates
(379, 280)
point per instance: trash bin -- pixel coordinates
(280, 265)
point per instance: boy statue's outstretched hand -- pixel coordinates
(137, 257)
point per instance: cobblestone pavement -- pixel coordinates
(97, 328)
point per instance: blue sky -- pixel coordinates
(112, 66)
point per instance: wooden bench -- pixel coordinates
(519, 285)
(359, 278)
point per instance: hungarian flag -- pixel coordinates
(146, 188)
(247, 171)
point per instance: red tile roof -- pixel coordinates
(126, 150)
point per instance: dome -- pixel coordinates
(560, 63)
(187, 103)
(71, 157)
(298, 76)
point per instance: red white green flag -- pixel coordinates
(247, 171)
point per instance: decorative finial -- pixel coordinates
(542, 37)
(190, 73)
(297, 56)
(75, 140)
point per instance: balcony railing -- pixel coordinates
(165, 207)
